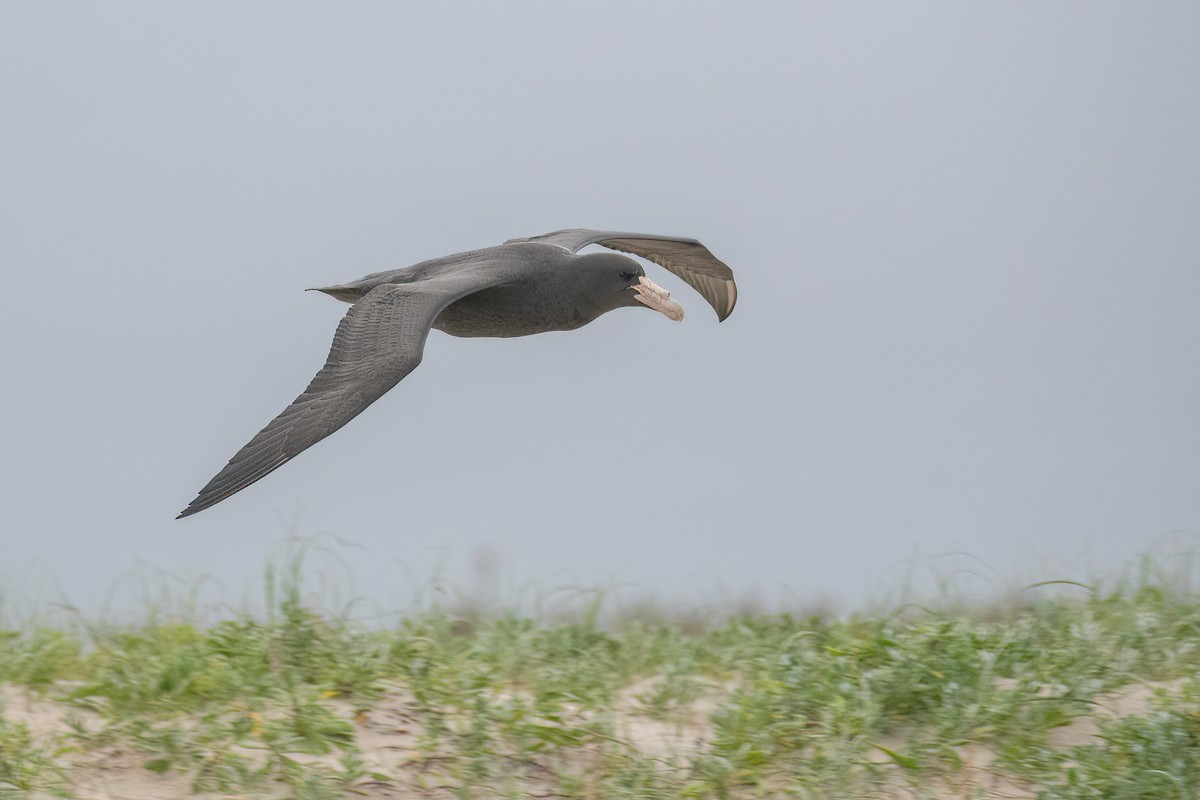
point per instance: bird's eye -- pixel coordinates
(627, 276)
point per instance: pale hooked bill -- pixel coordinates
(651, 294)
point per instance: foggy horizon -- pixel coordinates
(965, 242)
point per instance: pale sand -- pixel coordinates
(387, 737)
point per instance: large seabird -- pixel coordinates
(521, 287)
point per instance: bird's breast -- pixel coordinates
(507, 311)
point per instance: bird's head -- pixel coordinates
(619, 281)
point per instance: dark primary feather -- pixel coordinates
(378, 342)
(685, 257)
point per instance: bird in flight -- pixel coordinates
(521, 287)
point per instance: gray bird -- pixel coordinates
(521, 287)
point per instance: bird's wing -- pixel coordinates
(378, 342)
(687, 258)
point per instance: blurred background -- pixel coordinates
(966, 240)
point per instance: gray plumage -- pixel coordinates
(521, 287)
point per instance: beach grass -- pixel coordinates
(1065, 692)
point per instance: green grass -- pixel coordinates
(782, 706)
(27, 765)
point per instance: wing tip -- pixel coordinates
(731, 288)
(193, 508)
(201, 502)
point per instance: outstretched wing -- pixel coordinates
(687, 258)
(378, 342)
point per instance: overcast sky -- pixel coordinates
(966, 238)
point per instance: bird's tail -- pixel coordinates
(345, 292)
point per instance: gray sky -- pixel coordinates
(966, 237)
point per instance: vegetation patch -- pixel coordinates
(1091, 695)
